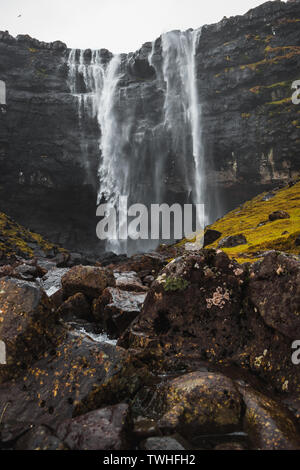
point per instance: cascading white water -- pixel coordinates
(99, 100)
(182, 105)
(150, 128)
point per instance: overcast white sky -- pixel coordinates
(118, 25)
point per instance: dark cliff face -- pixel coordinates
(246, 67)
(250, 127)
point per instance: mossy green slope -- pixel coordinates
(17, 240)
(252, 220)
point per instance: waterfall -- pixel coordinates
(150, 146)
(182, 106)
(99, 100)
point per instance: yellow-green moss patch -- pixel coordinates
(252, 220)
(17, 239)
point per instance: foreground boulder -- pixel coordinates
(27, 325)
(88, 280)
(191, 296)
(268, 425)
(104, 429)
(274, 289)
(199, 402)
(201, 308)
(49, 391)
(40, 438)
(116, 309)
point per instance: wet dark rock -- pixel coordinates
(26, 270)
(90, 281)
(7, 271)
(145, 427)
(104, 429)
(211, 236)
(131, 376)
(268, 196)
(49, 391)
(45, 264)
(75, 259)
(274, 289)
(191, 296)
(62, 259)
(11, 432)
(27, 324)
(234, 240)
(52, 285)
(230, 446)
(199, 402)
(148, 280)
(75, 306)
(269, 425)
(116, 309)
(277, 215)
(144, 264)
(293, 404)
(129, 281)
(200, 309)
(110, 258)
(40, 438)
(161, 443)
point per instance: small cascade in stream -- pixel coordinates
(149, 121)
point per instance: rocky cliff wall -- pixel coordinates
(245, 67)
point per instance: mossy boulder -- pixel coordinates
(269, 425)
(199, 402)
